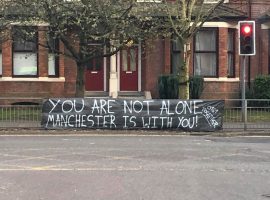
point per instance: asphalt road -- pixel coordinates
(134, 168)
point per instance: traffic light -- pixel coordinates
(246, 38)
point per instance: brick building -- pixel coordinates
(33, 71)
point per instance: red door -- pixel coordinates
(94, 75)
(129, 69)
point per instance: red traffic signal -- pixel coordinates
(246, 38)
(246, 29)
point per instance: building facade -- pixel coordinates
(30, 70)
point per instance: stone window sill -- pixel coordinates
(39, 79)
(222, 79)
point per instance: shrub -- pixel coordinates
(195, 87)
(168, 86)
(261, 89)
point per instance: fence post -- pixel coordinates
(244, 114)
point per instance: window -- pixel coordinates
(231, 53)
(176, 54)
(129, 59)
(53, 58)
(25, 51)
(95, 64)
(205, 53)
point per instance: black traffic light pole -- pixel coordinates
(246, 48)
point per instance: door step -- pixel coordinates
(96, 94)
(134, 95)
(120, 95)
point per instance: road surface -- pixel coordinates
(134, 168)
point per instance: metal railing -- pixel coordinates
(14, 116)
(257, 115)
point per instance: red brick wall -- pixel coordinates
(222, 52)
(70, 75)
(155, 61)
(167, 56)
(259, 62)
(6, 58)
(255, 67)
(237, 58)
(221, 90)
(61, 61)
(156, 58)
(30, 89)
(42, 86)
(264, 48)
(222, 87)
(42, 53)
(258, 7)
(153, 65)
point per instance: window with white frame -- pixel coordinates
(25, 51)
(53, 57)
(205, 53)
(231, 53)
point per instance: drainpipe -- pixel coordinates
(249, 9)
